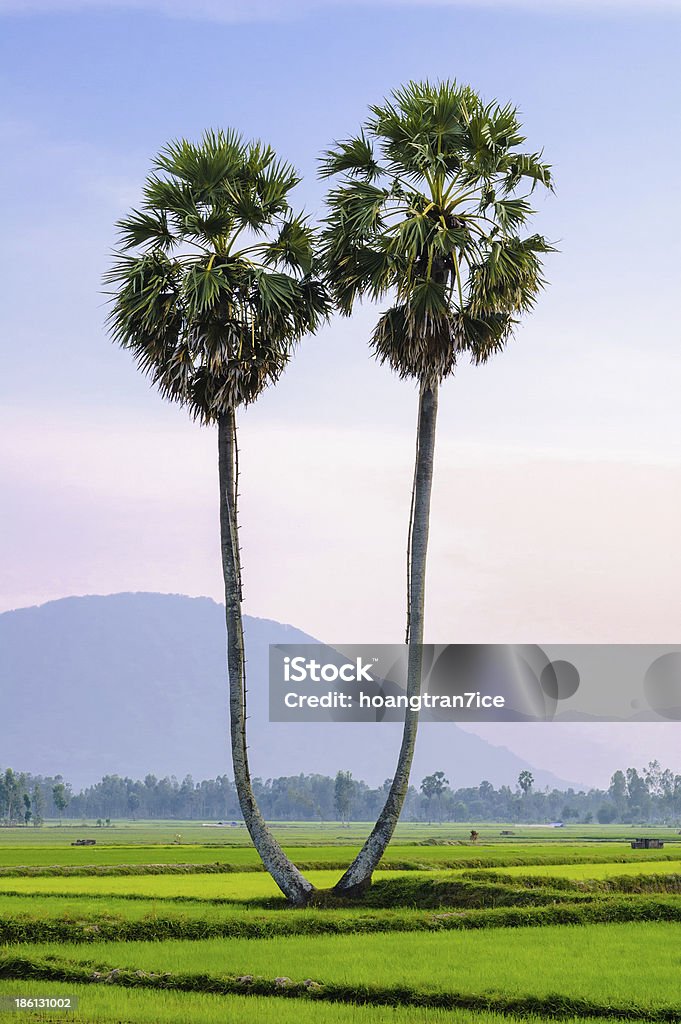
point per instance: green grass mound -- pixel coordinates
(154, 922)
(479, 893)
(640, 883)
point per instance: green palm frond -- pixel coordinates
(510, 277)
(258, 158)
(526, 165)
(511, 213)
(274, 183)
(293, 247)
(358, 208)
(146, 227)
(219, 156)
(170, 196)
(362, 270)
(429, 210)
(354, 156)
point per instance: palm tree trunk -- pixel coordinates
(287, 876)
(358, 876)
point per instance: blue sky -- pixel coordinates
(90, 91)
(558, 476)
(90, 95)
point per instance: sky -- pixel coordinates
(558, 469)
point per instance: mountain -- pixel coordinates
(136, 683)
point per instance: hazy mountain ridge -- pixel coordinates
(136, 683)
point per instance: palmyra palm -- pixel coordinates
(214, 285)
(432, 197)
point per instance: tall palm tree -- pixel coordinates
(214, 285)
(433, 194)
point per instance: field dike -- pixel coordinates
(633, 884)
(286, 922)
(474, 860)
(465, 892)
(108, 870)
(16, 968)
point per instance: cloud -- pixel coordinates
(274, 10)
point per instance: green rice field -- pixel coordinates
(240, 887)
(596, 870)
(615, 963)
(568, 925)
(104, 1005)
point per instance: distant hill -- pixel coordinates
(136, 683)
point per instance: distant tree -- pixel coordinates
(639, 797)
(133, 804)
(653, 775)
(460, 811)
(618, 792)
(666, 791)
(618, 786)
(60, 797)
(432, 787)
(9, 793)
(606, 814)
(37, 804)
(526, 781)
(342, 794)
(485, 789)
(28, 813)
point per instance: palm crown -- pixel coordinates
(433, 194)
(220, 283)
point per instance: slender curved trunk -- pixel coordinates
(287, 876)
(358, 876)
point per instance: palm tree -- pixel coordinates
(433, 193)
(214, 285)
(526, 782)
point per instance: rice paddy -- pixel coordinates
(569, 927)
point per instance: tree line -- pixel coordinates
(28, 799)
(651, 795)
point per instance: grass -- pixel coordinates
(106, 1005)
(390, 890)
(568, 924)
(160, 859)
(604, 963)
(586, 871)
(301, 835)
(141, 920)
(237, 887)
(245, 887)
